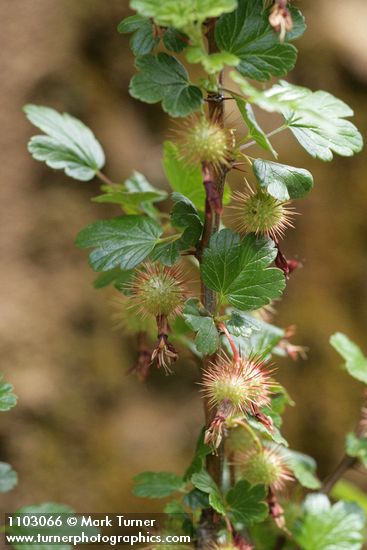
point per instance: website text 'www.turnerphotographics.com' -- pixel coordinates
(140, 530)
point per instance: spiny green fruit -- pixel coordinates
(157, 290)
(246, 384)
(268, 467)
(204, 141)
(260, 213)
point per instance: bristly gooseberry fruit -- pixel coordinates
(204, 141)
(157, 290)
(245, 384)
(268, 467)
(260, 213)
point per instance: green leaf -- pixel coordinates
(8, 399)
(204, 482)
(8, 477)
(326, 527)
(182, 13)
(320, 127)
(163, 78)
(263, 339)
(134, 196)
(212, 63)
(248, 34)
(299, 25)
(174, 40)
(247, 503)
(121, 242)
(143, 40)
(68, 144)
(196, 499)
(137, 183)
(239, 270)
(344, 490)
(254, 130)
(217, 503)
(116, 276)
(273, 435)
(303, 468)
(54, 510)
(281, 181)
(199, 320)
(355, 360)
(184, 216)
(240, 324)
(317, 119)
(156, 484)
(201, 452)
(184, 178)
(46, 508)
(357, 447)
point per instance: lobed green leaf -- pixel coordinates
(143, 39)
(163, 78)
(184, 217)
(122, 242)
(248, 34)
(247, 503)
(327, 527)
(68, 144)
(317, 119)
(156, 484)
(207, 338)
(303, 468)
(238, 270)
(281, 181)
(182, 13)
(355, 360)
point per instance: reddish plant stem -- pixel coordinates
(344, 465)
(236, 356)
(214, 462)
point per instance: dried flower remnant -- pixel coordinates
(164, 354)
(280, 18)
(292, 350)
(214, 434)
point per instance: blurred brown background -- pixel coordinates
(83, 428)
